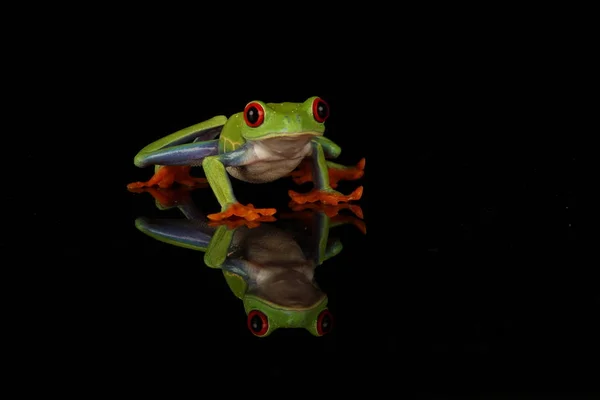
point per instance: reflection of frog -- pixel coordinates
(269, 266)
(265, 142)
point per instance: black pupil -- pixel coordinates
(256, 323)
(252, 115)
(322, 110)
(326, 323)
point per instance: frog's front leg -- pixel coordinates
(218, 179)
(320, 174)
(174, 164)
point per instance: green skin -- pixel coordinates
(289, 133)
(271, 273)
(269, 267)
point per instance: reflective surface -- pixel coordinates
(269, 265)
(471, 272)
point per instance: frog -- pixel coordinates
(263, 143)
(268, 265)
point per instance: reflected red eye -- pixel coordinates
(324, 322)
(320, 110)
(254, 114)
(258, 323)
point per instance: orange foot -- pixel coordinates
(346, 174)
(325, 197)
(303, 173)
(247, 212)
(167, 175)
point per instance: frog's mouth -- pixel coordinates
(290, 301)
(290, 135)
(286, 144)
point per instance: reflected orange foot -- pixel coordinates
(325, 197)
(233, 223)
(349, 219)
(306, 213)
(329, 209)
(247, 212)
(167, 175)
(166, 197)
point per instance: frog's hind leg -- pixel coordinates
(175, 153)
(173, 164)
(336, 172)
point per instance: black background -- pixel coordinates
(469, 276)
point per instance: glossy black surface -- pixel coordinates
(470, 273)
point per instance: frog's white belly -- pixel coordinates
(274, 159)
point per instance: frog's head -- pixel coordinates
(264, 317)
(269, 120)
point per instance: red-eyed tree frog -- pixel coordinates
(270, 266)
(265, 142)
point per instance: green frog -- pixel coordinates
(268, 265)
(263, 143)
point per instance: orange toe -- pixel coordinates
(248, 212)
(325, 197)
(346, 174)
(361, 164)
(136, 185)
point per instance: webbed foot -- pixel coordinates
(347, 173)
(167, 175)
(248, 212)
(325, 196)
(336, 172)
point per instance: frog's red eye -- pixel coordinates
(320, 110)
(324, 322)
(258, 323)
(254, 114)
